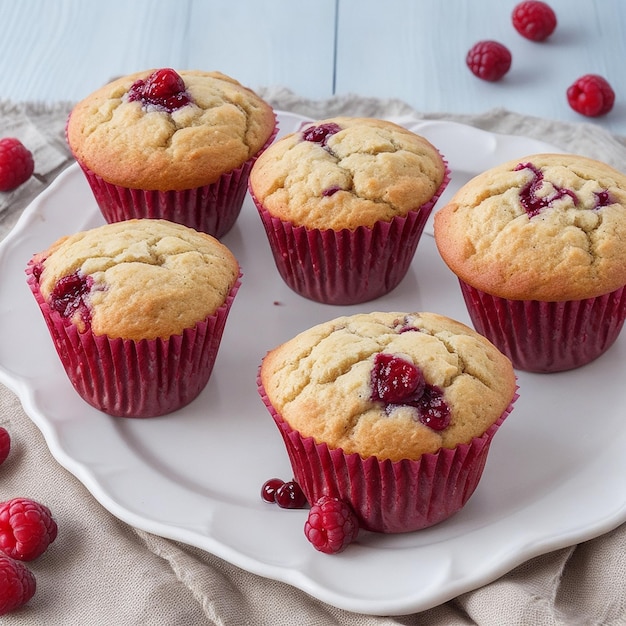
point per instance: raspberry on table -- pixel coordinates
(17, 584)
(331, 525)
(534, 20)
(489, 60)
(5, 444)
(16, 163)
(27, 528)
(591, 95)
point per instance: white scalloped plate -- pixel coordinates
(555, 475)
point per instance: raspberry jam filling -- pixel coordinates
(320, 134)
(331, 190)
(397, 382)
(163, 89)
(532, 203)
(69, 296)
(602, 199)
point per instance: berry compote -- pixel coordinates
(534, 204)
(320, 134)
(398, 382)
(164, 89)
(70, 296)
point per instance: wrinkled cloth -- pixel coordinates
(102, 571)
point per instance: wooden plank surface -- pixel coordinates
(413, 50)
(53, 50)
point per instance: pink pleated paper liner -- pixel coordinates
(127, 378)
(211, 209)
(548, 336)
(347, 266)
(388, 496)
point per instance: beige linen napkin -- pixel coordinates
(102, 571)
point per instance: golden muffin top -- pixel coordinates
(390, 385)
(346, 172)
(150, 130)
(136, 279)
(543, 227)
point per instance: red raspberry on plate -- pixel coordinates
(534, 20)
(17, 584)
(5, 444)
(27, 528)
(591, 95)
(16, 163)
(489, 60)
(331, 525)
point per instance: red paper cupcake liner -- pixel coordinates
(547, 336)
(388, 496)
(211, 209)
(127, 378)
(347, 266)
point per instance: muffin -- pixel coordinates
(171, 145)
(136, 310)
(393, 413)
(538, 245)
(344, 202)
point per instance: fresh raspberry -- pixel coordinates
(591, 95)
(16, 163)
(27, 528)
(331, 525)
(5, 444)
(489, 60)
(534, 20)
(17, 584)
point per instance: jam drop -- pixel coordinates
(432, 408)
(331, 190)
(37, 271)
(320, 134)
(397, 382)
(602, 199)
(532, 203)
(163, 89)
(70, 296)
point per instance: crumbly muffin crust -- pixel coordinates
(370, 170)
(151, 278)
(320, 382)
(142, 147)
(546, 227)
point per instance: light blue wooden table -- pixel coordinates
(413, 50)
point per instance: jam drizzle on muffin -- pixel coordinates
(398, 382)
(534, 204)
(603, 198)
(321, 133)
(164, 89)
